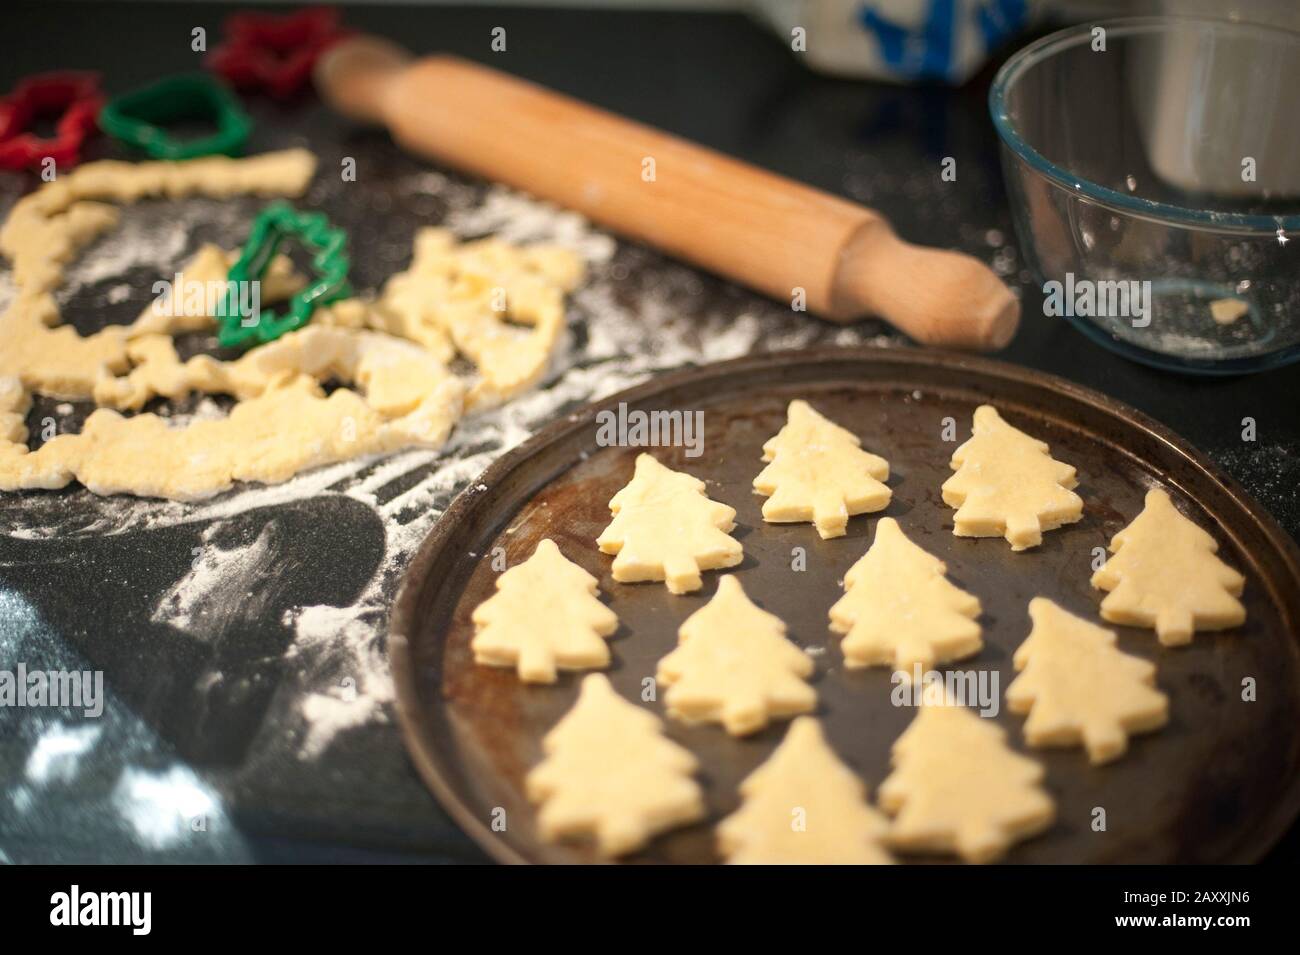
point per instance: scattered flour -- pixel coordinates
(55, 756)
(356, 698)
(517, 218)
(206, 410)
(164, 809)
(1271, 471)
(218, 580)
(135, 243)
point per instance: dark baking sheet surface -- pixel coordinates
(1219, 783)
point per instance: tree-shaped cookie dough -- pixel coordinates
(544, 616)
(957, 787)
(1164, 574)
(898, 608)
(610, 773)
(1008, 485)
(804, 807)
(1077, 686)
(819, 473)
(666, 528)
(733, 665)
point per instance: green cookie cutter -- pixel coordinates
(275, 223)
(140, 118)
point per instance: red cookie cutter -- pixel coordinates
(263, 51)
(76, 94)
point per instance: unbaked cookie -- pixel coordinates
(666, 528)
(544, 616)
(818, 472)
(1164, 574)
(804, 807)
(1008, 485)
(899, 610)
(733, 665)
(1077, 687)
(957, 787)
(610, 773)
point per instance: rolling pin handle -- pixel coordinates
(936, 296)
(355, 76)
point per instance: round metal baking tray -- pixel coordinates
(1220, 783)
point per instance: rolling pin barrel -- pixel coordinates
(787, 240)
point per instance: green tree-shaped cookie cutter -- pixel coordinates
(139, 118)
(276, 222)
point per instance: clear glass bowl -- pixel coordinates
(1161, 151)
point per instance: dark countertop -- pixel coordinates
(719, 79)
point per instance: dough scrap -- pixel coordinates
(288, 428)
(818, 472)
(394, 375)
(1226, 311)
(46, 229)
(411, 399)
(899, 609)
(42, 354)
(957, 787)
(15, 402)
(544, 615)
(43, 232)
(1163, 574)
(40, 223)
(733, 665)
(1077, 686)
(1008, 485)
(474, 297)
(609, 772)
(803, 806)
(666, 528)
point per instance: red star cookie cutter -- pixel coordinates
(73, 93)
(263, 51)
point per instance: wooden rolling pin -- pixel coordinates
(756, 228)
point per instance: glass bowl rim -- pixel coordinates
(1071, 36)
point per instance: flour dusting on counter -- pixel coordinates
(217, 579)
(55, 756)
(164, 808)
